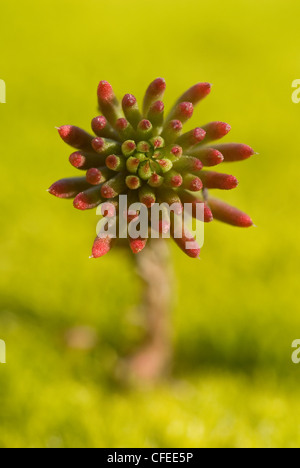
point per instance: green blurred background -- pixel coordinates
(236, 311)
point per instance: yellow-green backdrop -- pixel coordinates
(236, 311)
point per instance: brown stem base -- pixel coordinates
(152, 361)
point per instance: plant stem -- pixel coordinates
(152, 361)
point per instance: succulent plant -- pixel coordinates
(145, 155)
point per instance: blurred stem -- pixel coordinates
(152, 361)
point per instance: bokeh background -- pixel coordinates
(236, 312)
